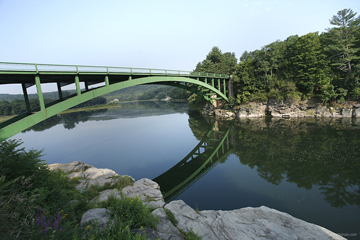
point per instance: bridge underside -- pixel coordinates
(212, 88)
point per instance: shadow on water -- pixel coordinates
(212, 149)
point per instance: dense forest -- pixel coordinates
(325, 66)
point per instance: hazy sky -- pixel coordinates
(151, 34)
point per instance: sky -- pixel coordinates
(151, 34)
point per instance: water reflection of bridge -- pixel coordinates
(212, 149)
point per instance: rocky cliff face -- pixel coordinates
(287, 109)
(244, 223)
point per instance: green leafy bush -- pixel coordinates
(132, 212)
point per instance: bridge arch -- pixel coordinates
(20, 123)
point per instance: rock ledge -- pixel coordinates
(244, 223)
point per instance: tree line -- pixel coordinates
(19, 106)
(325, 66)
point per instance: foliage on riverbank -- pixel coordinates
(325, 66)
(34, 202)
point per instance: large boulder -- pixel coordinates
(94, 176)
(346, 112)
(148, 191)
(101, 215)
(246, 223)
(356, 112)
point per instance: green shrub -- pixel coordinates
(132, 212)
(122, 181)
(16, 207)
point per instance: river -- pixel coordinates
(308, 168)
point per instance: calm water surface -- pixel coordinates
(308, 168)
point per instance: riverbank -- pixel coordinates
(287, 109)
(177, 218)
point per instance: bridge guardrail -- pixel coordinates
(9, 67)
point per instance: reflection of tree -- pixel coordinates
(305, 153)
(71, 119)
(198, 125)
(46, 124)
(337, 194)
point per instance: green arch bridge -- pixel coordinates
(213, 87)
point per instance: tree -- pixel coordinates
(343, 39)
(217, 62)
(178, 93)
(308, 64)
(5, 108)
(18, 107)
(269, 56)
(342, 45)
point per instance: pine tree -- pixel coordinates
(342, 45)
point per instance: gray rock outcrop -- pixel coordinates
(93, 176)
(287, 109)
(100, 214)
(166, 230)
(148, 191)
(104, 195)
(246, 223)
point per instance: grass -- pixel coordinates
(171, 217)
(191, 235)
(5, 118)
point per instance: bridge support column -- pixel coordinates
(217, 103)
(231, 89)
(39, 92)
(86, 86)
(224, 84)
(26, 97)
(59, 90)
(77, 84)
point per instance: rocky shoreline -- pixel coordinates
(287, 109)
(244, 223)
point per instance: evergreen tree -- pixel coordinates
(342, 45)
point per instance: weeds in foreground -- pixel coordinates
(171, 217)
(191, 235)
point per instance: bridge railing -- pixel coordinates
(7, 67)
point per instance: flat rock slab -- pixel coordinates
(147, 190)
(93, 176)
(71, 166)
(246, 223)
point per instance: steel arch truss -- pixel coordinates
(215, 89)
